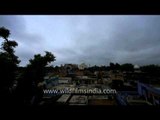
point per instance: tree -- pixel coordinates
(39, 63)
(127, 67)
(8, 62)
(4, 33)
(115, 66)
(112, 66)
(151, 68)
(34, 74)
(152, 71)
(8, 45)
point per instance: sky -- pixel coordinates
(90, 39)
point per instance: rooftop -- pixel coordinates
(78, 100)
(63, 98)
(101, 102)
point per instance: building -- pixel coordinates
(116, 75)
(50, 81)
(145, 95)
(82, 66)
(85, 80)
(79, 73)
(78, 100)
(64, 80)
(101, 100)
(70, 66)
(63, 99)
(130, 98)
(151, 93)
(137, 69)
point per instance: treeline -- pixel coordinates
(112, 66)
(126, 67)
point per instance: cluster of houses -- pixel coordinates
(130, 91)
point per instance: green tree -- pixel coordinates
(112, 66)
(150, 68)
(39, 63)
(117, 66)
(34, 73)
(8, 62)
(127, 67)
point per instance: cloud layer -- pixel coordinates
(95, 40)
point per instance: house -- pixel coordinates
(151, 93)
(101, 100)
(130, 98)
(82, 66)
(64, 80)
(63, 99)
(50, 81)
(78, 100)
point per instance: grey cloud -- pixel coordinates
(124, 41)
(16, 24)
(94, 39)
(28, 43)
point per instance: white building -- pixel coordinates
(82, 66)
(136, 67)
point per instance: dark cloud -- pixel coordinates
(133, 39)
(90, 39)
(16, 24)
(28, 43)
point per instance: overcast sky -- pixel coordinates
(95, 40)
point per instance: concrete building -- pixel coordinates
(130, 98)
(64, 80)
(151, 93)
(101, 100)
(85, 80)
(63, 99)
(116, 75)
(82, 66)
(79, 73)
(78, 100)
(50, 81)
(70, 66)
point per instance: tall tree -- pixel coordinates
(34, 73)
(8, 62)
(39, 63)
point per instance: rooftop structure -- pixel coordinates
(64, 80)
(116, 75)
(63, 98)
(78, 100)
(130, 98)
(101, 100)
(136, 67)
(85, 80)
(150, 92)
(82, 66)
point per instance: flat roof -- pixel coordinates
(78, 99)
(139, 103)
(98, 97)
(101, 102)
(65, 78)
(63, 98)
